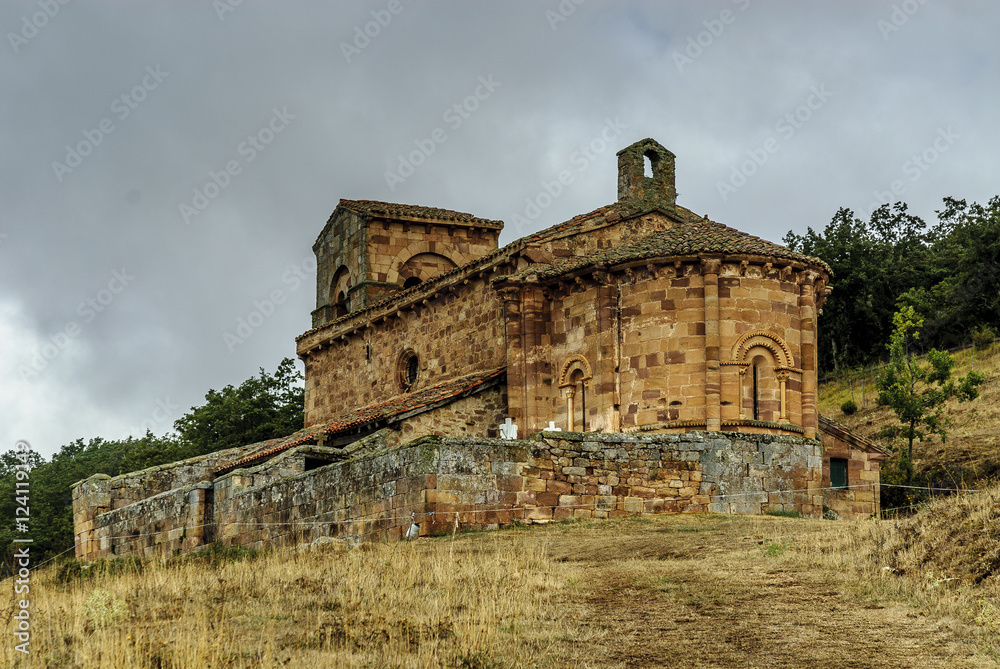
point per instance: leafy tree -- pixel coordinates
(873, 262)
(916, 392)
(262, 407)
(964, 272)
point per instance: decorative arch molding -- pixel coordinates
(571, 366)
(340, 287)
(414, 249)
(772, 342)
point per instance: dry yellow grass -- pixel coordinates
(689, 591)
(427, 604)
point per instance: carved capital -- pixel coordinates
(710, 265)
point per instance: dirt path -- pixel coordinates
(706, 593)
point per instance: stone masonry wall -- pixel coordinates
(455, 333)
(100, 494)
(478, 483)
(643, 334)
(861, 498)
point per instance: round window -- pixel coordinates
(407, 369)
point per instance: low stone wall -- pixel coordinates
(101, 493)
(469, 483)
(602, 475)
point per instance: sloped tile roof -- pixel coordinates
(391, 209)
(683, 239)
(427, 398)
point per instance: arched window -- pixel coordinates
(423, 267)
(649, 164)
(339, 287)
(340, 305)
(573, 380)
(756, 369)
(407, 369)
(580, 395)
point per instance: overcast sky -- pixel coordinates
(167, 166)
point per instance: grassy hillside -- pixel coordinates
(972, 451)
(683, 590)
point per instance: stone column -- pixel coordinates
(807, 318)
(713, 376)
(782, 377)
(510, 298)
(535, 353)
(569, 392)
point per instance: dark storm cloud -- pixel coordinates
(219, 137)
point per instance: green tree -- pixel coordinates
(262, 407)
(873, 262)
(917, 392)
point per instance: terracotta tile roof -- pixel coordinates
(391, 209)
(426, 399)
(683, 239)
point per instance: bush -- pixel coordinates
(983, 336)
(849, 408)
(784, 513)
(215, 555)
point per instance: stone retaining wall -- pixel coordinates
(471, 483)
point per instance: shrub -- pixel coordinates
(784, 513)
(849, 408)
(215, 555)
(102, 609)
(982, 336)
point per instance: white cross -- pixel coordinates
(552, 427)
(508, 430)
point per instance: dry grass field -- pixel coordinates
(678, 591)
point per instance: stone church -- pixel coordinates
(650, 359)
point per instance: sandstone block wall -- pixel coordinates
(101, 493)
(862, 496)
(646, 333)
(468, 483)
(454, 333)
